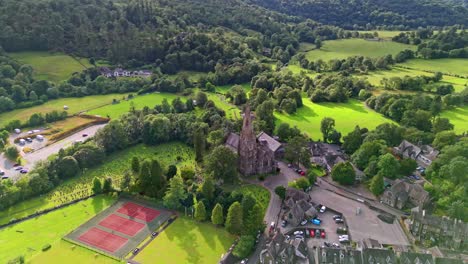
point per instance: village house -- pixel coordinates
(402, 193)
(328, 155)
(284, 250)
(298, 207)
(378, 256)
(257, 154)
(446, 232)
(423, 155)
(339, 256)
(119, 72)
(415, 258)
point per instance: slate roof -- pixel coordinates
(415, 258)
(378, 256)
(339, 256)
(273, 144)
(448, 261)
(232, 141)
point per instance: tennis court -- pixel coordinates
(103, 240)
(122, 225)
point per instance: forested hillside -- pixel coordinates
(367, 14)
(166, 33)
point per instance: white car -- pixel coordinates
(304, 222)
(343, 236)
(343, 240)
(298, 233)
(323, 209)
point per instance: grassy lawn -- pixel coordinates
(384, 34)
(28, 238)
(63, 252)
(261, 194)
(346, 115)
(343, 48)
(54, 67)
(75, 105)
(116, 110)
(187, 241)
(458, 117)
(114, 166)
(450, 66)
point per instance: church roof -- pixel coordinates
(273, 144)
(232, 141)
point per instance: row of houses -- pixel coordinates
(119, 72)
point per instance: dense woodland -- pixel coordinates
(369, 14)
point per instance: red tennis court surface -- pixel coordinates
(103, 240)
(139, 212)
(122, 225)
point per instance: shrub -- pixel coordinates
(46, 247)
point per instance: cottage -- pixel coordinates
(378, 256)
(415, 258)
(446, 232)
(423, 155)
(401, 192)
(339, 256)
(298, 206)
(283, 250)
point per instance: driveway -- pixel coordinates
(43, 153)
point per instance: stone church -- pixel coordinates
(257, 153)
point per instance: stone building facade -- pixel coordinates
(256, 153)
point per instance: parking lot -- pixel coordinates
(364, 225)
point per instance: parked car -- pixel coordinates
(316, 222)
(85, 135)
(323, 209)
(312, 233)
(417, 177)
(343, 236)
(322, 234)
(18, 168)
(284, 223)
(289, 165)
(272, 226)
(304, 222)
(339, 221)
(135, 251)
(336, 217)
(302, 173)
(298, 232)
(244, 261)
(154, 234)
(29, 140)
(336, 245)
(5, 177)
(2, 172)
(23, 171)
(327, 244)
(317, 233)
(343, 240)
(15, 165)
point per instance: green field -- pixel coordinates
(344, 48)
(448, 66)
(388, 35)
(75, 105)
(113, 166)
(116, 110)
(27, 238)
(346, 115)
(458, 117)
(187, 241)
(54, 67)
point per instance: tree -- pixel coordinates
(200, 211)
(285, 132)
(311, 176)
(222, 163)
(327, 126)
(201, 99)
(107, 186)
(343, 173)
(175, 193)
(281, 192)
(244, 247)
(151, 180)
(407, 166)
(112, 137)
(217, 217)
(444, 138)
(297, 151)
(12, 153)
(207, 188)
(199, 144)
(248, 202)
(318, 43)
(216, 137)
(377, 185)
(234, 218)
(458, 210)
(388, 166)
(441, 124)
(302, 183)
(135, 164)
(97, 186)
(67, 167)
(126, 181)
(265, 119)
(171, 172)
(353, 140)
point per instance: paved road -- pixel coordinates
(42, 154)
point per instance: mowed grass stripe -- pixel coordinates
(187, 241)
(346, 115)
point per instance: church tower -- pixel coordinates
(247, 145)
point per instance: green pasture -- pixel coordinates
(54, 67)
(346, 115)
(75, 105)
(27, 238)
(458, 117)
(140, 101)
(187, 241)
(384, 34)
(449, 66)
(113, 166)
(344, 48)
(193, 76)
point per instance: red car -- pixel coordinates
(322, 234)
(312, 233)
(302, 173)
